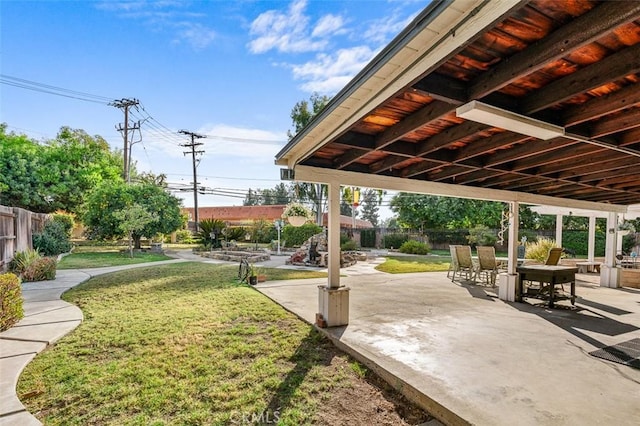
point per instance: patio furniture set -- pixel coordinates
(484, 267)
(538, 281)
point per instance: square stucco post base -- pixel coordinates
(610, 276)
(507, 287)
(333, 306)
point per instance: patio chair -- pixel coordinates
(487, 265)
(466, 265)
(453, 266)
(553, 258)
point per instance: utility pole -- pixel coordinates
(193, 152)
(125, 104)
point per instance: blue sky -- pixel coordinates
(231, 70)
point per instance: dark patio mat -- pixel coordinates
(627, 353)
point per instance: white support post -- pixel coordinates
(559, 230)
(333, 300)
(333, 235)
(609, 273)
(507, 281)
(592, 239)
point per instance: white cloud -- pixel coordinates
(328, 73)
(382, 30)
(167, 15)
(329, 25)
(290, 32)
(196, 35)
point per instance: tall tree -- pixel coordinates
(371, 200)
(20, 170)
(103, 204)
(301, 115)
(252, 198)
(428, 211)
(56, 174)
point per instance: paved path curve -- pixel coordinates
(47, 318)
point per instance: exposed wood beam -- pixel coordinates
(630, 172)
(479, 175)
(492, 143)
(433, 111)
(600, 106)
(630, 137)
(583, 30)
(386, 163)
(449, 136)
(443, 88)
(621, 122)
(613, 67)
(585, 168)
(530, 148)
(320, 175)
(405, 149)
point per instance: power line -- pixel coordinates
(125, 104)
(52, 90)
(193, 146)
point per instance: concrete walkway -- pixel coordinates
(467, 356)
(46, 320)
(470, 358)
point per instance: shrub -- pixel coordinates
(184, 236)
(10, 301)
(66, 221)
(415, 247)
(296, 235)
(481, 235)
(207, 227)
(349, 246)
(22, 260)
(40, 270)
(53, 240)
(394, 240)
(578, 242)
(539, 250)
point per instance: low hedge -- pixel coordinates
(10, 301)
(41, 270)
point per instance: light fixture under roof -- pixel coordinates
(497, 117)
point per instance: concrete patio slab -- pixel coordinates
(469, 357)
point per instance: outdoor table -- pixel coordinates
(547, 274)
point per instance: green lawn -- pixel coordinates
(95, 259)
(406, 264)
(183, 344)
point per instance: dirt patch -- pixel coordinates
(363, 398)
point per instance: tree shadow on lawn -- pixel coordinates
(315, 349)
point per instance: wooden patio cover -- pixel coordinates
(571, 63)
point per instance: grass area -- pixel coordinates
(407, 264)
(92, 258)
(183, 344)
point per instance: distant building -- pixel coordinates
(244, 215)
(237, 215)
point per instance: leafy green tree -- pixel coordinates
(252, 198)
(110, 197)
(56, 174)
(20, 170)
(371, 200)
(301, 115)
(133, 219)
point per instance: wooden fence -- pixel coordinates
(16, 228)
